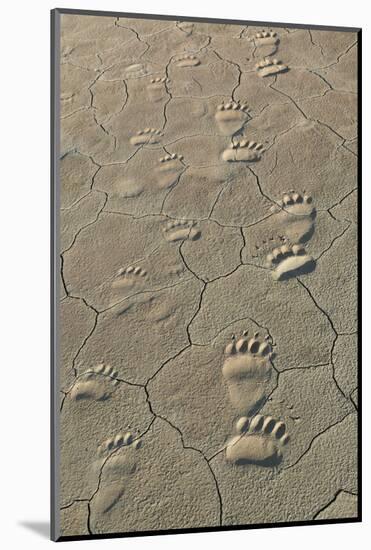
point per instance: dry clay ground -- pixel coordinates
(208, 275)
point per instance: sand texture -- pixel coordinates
(208, 296)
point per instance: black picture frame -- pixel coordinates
(55, 270)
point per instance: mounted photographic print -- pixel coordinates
(205, 276)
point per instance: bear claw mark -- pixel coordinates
(290, 261)
(247, 370)
(259, 441)
(97, 384)
(243, 151)
(148, 136)
(231, 117)
(269, 67)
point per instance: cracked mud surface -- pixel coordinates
(208, 371)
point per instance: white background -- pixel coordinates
(24, 256)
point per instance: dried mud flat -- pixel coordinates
(208, 275)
